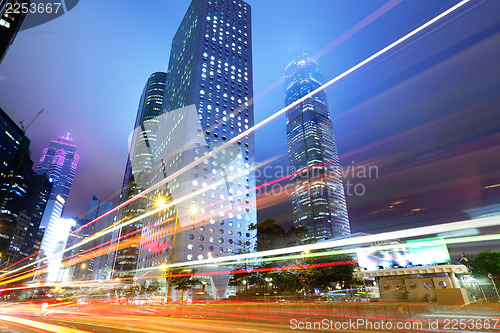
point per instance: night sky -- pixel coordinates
(425, 114)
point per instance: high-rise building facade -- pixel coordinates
(138, 172)
(59, 162)
(53, 245)
(318, 198)
(97, 266)
(26, 229)
(15, 168)
(10, 22)
(208, 207)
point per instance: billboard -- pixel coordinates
(423, 252)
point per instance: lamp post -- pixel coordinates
(304, 275)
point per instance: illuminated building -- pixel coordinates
(10, 23)
(138, 170)
(15, 168)
(53, 245)
(207, 103)
(318, 198)
(23, 195)
(91, 267)
(26, 230)
(59, 162)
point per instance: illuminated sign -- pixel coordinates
(415, 252)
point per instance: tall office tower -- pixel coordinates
(15, 167)
(318, 198)
(98, 268)
(58, 162)
(25, 232)
(10, 22)
(53, 245)
(207, 207)
(138, 171)
(82, 265)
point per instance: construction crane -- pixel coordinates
(24, 129)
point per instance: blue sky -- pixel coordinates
(88, 67)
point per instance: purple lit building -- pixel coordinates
(59, 163)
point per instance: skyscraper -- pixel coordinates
(26, 230)
(59, 162)
(97, 208)
(138, 170)
(15, 168)
(97, 266)
(10, 22)
(53, 245)
(318, 198)
(207, 103)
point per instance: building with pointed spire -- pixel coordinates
(318, 197)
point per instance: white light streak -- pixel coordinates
(415, 232)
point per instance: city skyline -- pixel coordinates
(381, 19)
(251, 165)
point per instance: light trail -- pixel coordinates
(338, 252)
(242, 135)
(254, 270)
(357, 28)
(400, 234)
(40, 326)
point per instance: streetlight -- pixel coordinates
(160, 202)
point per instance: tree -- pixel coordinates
(486, 262)
(183, 279)
(269, 234)
(153, 287)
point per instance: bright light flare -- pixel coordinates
(161, 203)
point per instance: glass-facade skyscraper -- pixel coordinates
(15, 168)
(138, 172)
(318, 198)
(207, 103)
